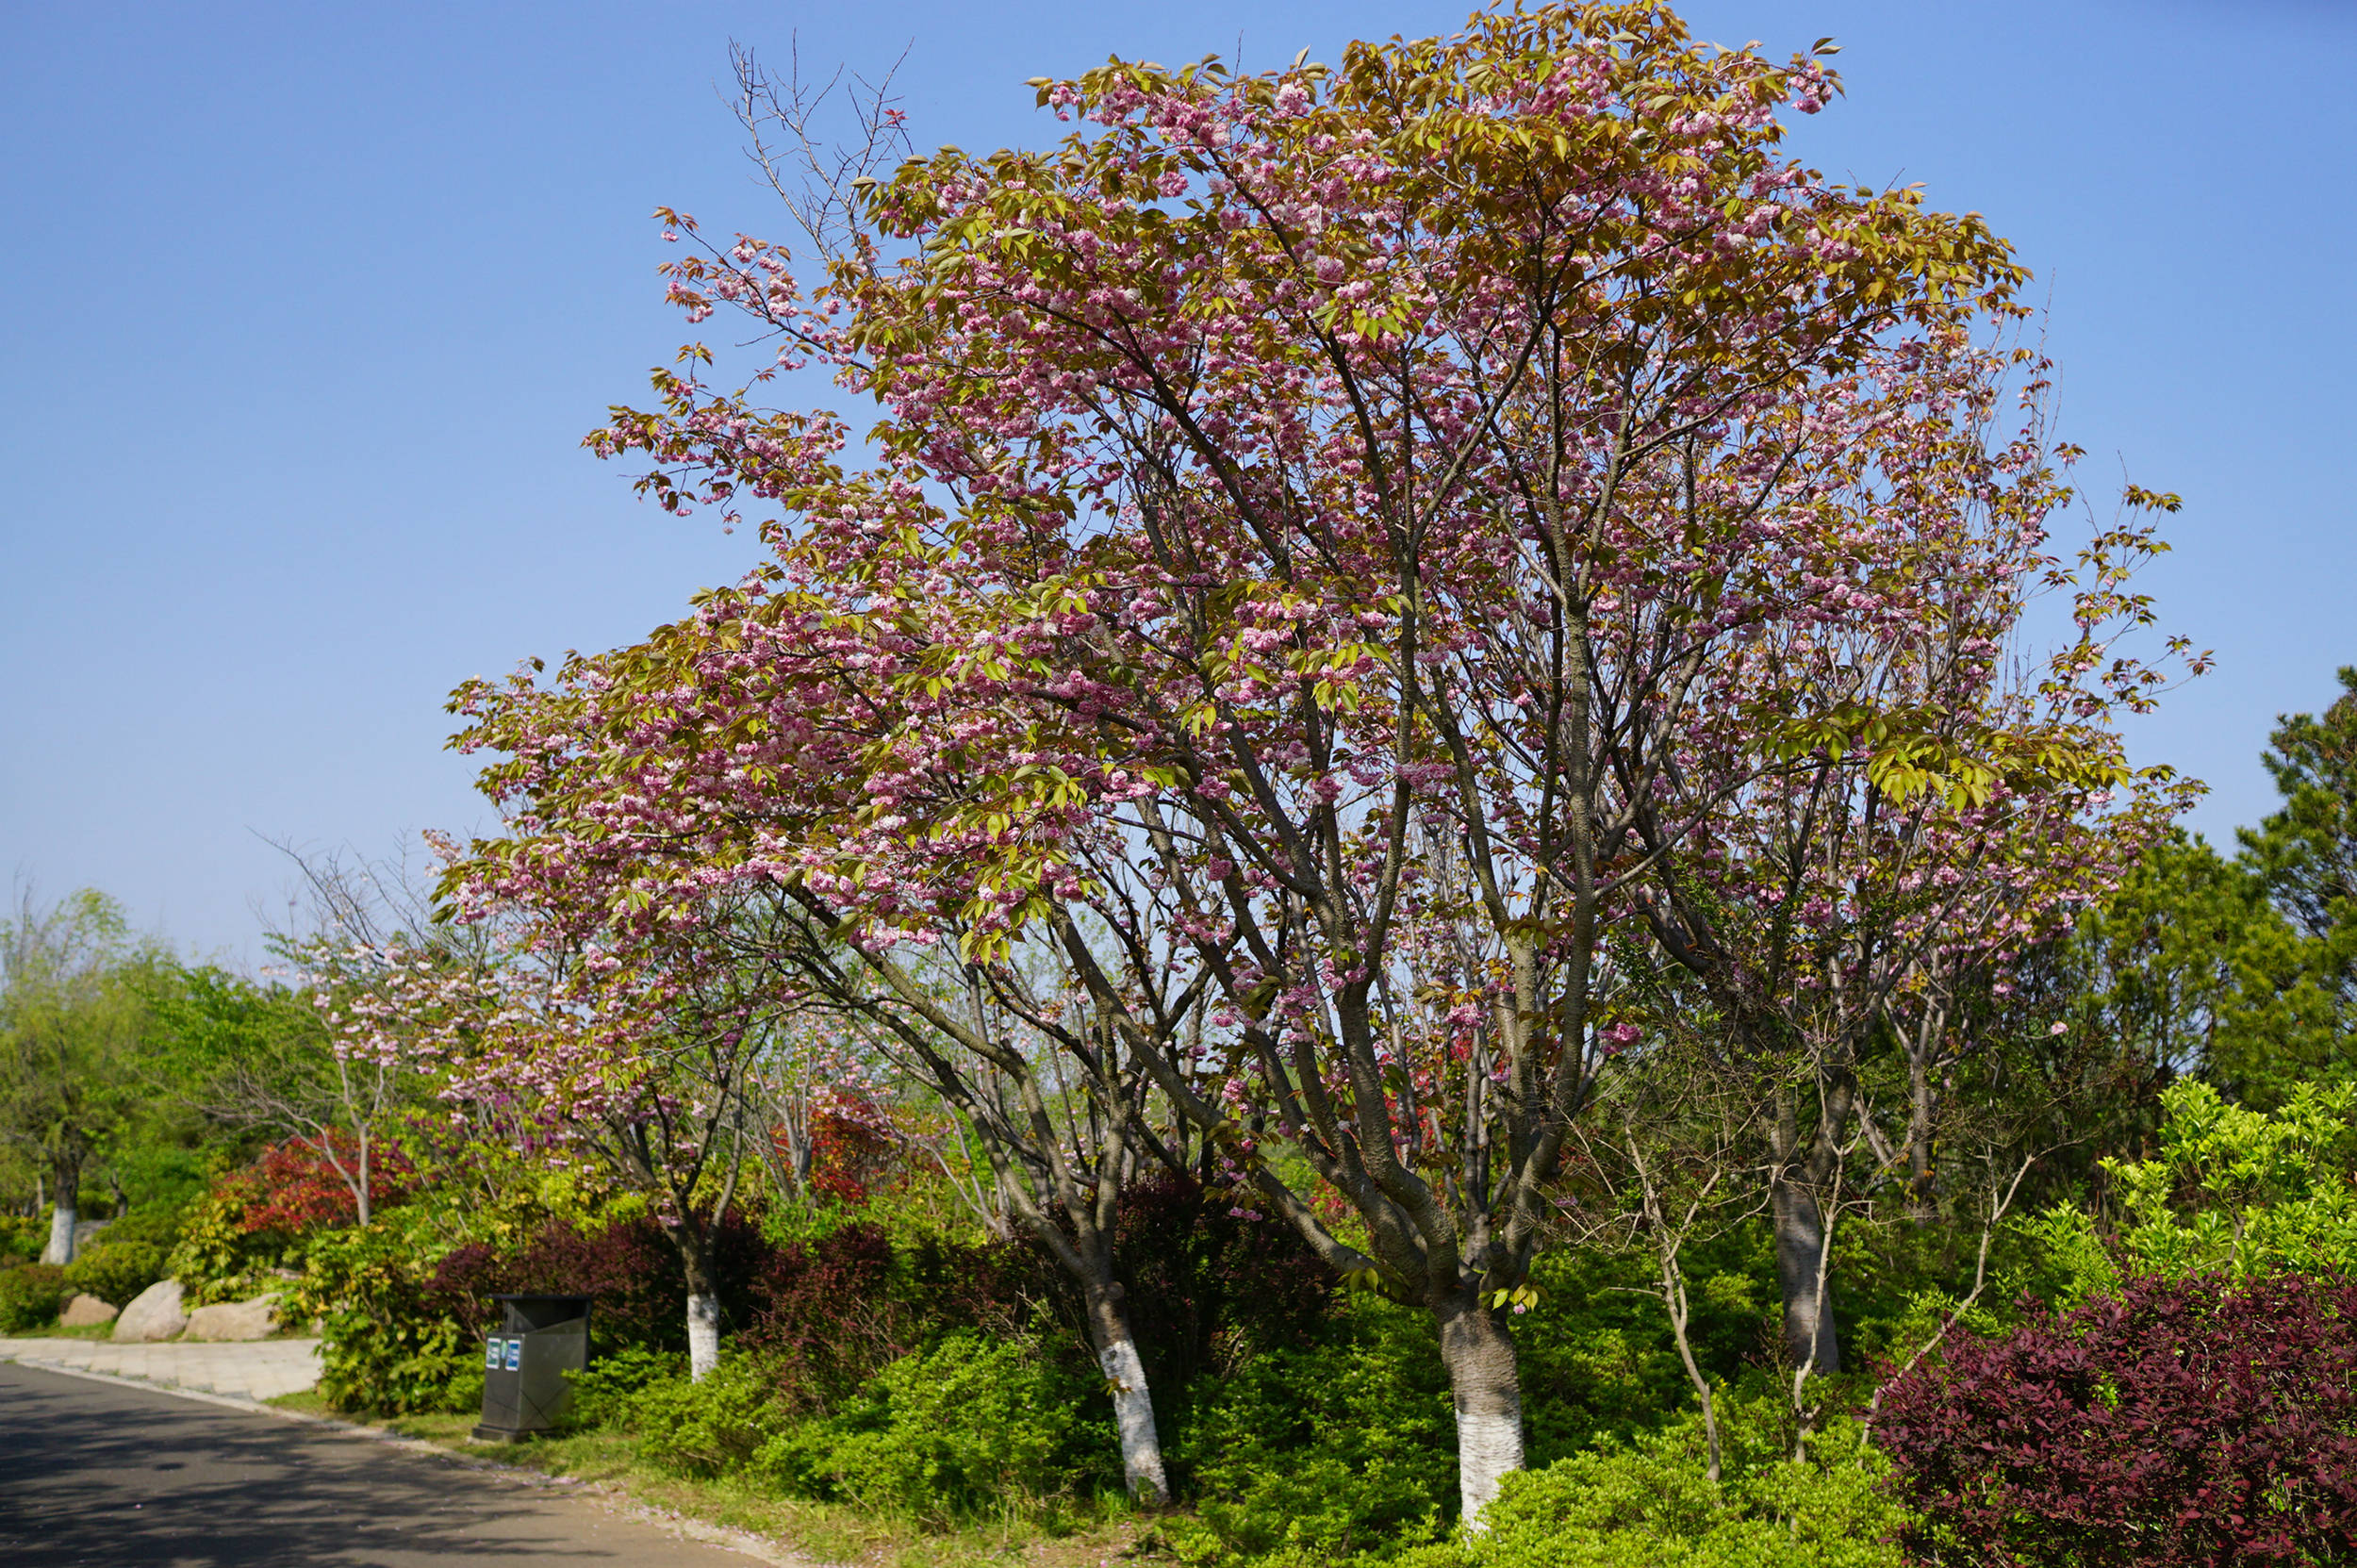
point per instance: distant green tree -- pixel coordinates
(72, 1014)
(209, 1030)
(2190, 967)
(2305, 854)
(260, 1062)
(287, 1060)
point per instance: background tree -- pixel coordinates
(71, 1017)
(2189, 968)
(1060, 1109)
(2234, 971)
(1942, 816)
(637, 1054)
(324, 1052)
(2305, 854)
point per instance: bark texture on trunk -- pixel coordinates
(1134, 1403)
(703, 1301)
(1485, 1386)
(60, 1247)
(62, 1218)
(703, 1335)
(1808, 1330)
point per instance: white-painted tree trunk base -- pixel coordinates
(60, 1247)
(1133, 1413)
(703, 1336)
(1489, 1446)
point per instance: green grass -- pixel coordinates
(824, 1532)
(100, 1330)
(106, 1331)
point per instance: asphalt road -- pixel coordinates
(114, 1477)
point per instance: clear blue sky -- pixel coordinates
(306, 309)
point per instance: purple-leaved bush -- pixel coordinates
(2178, 1425)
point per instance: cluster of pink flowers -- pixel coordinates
(1342, 536)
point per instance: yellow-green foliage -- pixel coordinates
(216, 1259)
(1651, 1504)
(2233, 1191)
(21, 1237)
(384, 1350)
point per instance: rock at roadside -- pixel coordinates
(153, 1315)
(86, 1311)
(236, 1320)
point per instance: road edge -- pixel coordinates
(614, 1500)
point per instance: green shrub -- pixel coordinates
(1324, 1454)
(969, 1427)
(384, 1349)
(159, 1227)
(706, 1429)
(22, 1237)
(1596, 1355)
(116, 1271)
(214, 1257)
(1651, 1504)
(131, 1253)
(30, 1295)
(972, 1426)
(608, 1392)
(2233, 1191)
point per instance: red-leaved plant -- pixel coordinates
(2176, 1422)
(297, 1189)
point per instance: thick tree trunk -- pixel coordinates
(1134, 1403)
(1486, 1387)
(1800, 1278)
(703, 1335)
(703, 1307)
(62, 1218)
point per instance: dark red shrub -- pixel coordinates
(1207, 1285)
(631, 1268)
(829, 1313)
(2178, 1424)
(1204, 1287)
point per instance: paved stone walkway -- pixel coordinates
(260, 1370)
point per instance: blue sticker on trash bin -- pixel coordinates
(515, 1354)
(492, 1355)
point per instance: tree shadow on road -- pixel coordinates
(90, 1473)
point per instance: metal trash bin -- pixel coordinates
(524, 1388)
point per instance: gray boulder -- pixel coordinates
(236, 1320)
(86, 1311)
(153, 1315)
